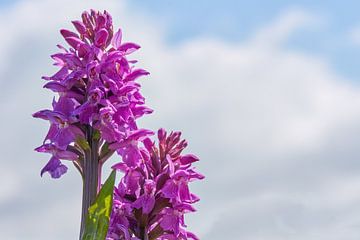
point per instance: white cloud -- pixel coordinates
(277, 129)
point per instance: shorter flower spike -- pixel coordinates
(153, 196)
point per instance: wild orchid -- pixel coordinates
(95, 115)
(151, 199)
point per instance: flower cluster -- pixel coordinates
(153, 196)
(98, 95)
(94, 115)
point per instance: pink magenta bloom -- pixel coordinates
(97, 89)
(154, 192)
(95, 115)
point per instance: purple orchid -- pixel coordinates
(98, 104)
(155, 191)
(95, 115)
(96, 87)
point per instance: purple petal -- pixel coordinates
(53, 130)
(85, 112)
(145, 202)
(80, 27)
(170, 189)
(111, 84)
(194, 175)
(101, 37)
(192, 236)
(66, 33)
(148, 204)
(74, 42)
(170, 222)
(161, 134)
(128, 48)
(58, 153)
(43, 114)
(65, 106)
(185, 208)
(139, 111)
(120, 166)
(161, 180)
(100, 21)
(59, 75)
(184, 192)
(66, 155)
(130, 155)
(55, 86)
(132, 181)
(116, 41)
(148, 143)
(55, 168)
(140, 134)
(45, 148)
(188, 158)
(136, 74)
(64, 138)
(83, 50)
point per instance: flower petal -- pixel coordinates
(80, 27)
(116, 41)
(128, 48)
(66, 33)
(188, 158)
(55, 168)
(136, 74)
(101, 37)
(74, 42)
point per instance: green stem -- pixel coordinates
(91, 176)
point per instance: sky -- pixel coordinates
(267, 95)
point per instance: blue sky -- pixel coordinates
(233, 20)
(267, 95)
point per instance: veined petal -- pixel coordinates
(43, 114)
(170, 189)
(63, 138)
(136, 74)
(66, 33)
(59, 75)
(121, 167)
(128, 48)
(100, 21)
(55, 168)
(139, 111)
(101, 37)
(53, 131)
(74, 42)
(116, 41)
(140, 134)
(170, 221)
(55, 86)
(80, 27)
(188, 158)
(192, 236)
(66, 155)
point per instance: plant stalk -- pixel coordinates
(90, 178)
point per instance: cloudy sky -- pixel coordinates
(267, 94)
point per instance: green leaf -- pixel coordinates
(97, 222)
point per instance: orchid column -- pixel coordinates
(97, 106)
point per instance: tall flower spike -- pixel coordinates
(152, 198)
(98, 102)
